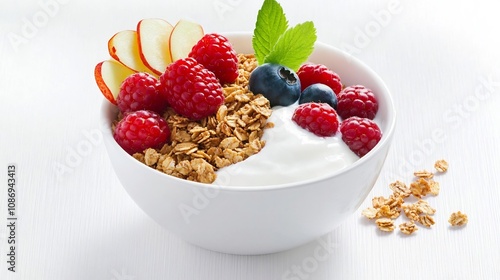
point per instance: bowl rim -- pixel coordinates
(108, 108)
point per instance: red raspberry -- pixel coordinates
(141, 130)
(190, 89)
(357, 101)
(140, 91)
(310, 73)
(360, 134)
(318, 118)
(217, 55)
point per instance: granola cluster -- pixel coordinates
(197, 149)
(458, 219)
(386, 210)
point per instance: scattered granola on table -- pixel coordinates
(458, 219)
(385, 224)
(386, 209)
(423, 174)
(411, 212)
(434, 187)
(426, 220)
(424, 207)
(371, 213)
(401, 189)
(420, 188)
(441, 165)
(408, 227)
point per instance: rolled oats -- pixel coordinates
(394, 201)
(167, 165)
(151, 157)
(408, 227)
(424, 207)
(441, 165)
(230, 143)
(371, 213)
(139, 157)
(434, 186)
(387, 211)
(400, 188)
(458, 219)
(426, 220)
(385, 224)
(384, 210)
(378, 201)
(184, 167)
(420, 188)
(411, 212)
(423, 174)
(197, 149)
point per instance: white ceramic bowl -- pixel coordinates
(259, 220)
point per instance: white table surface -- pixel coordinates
(440, 59)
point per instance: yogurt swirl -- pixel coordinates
(291, 154)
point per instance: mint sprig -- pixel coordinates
(274, 42)
(294, 46)
(271, 23)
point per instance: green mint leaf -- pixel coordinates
(271, 23)
(294, 47)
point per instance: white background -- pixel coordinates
(440, 59)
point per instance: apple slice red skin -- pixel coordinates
(183, 37)
(110, 93)
(158, 70)
(123, 47)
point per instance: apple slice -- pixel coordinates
(184, 36)
(124, 47)
(154, 43)
(109, 75)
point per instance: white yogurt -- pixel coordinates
(291, 154)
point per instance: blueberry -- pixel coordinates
(319, 93)
(278, 83)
